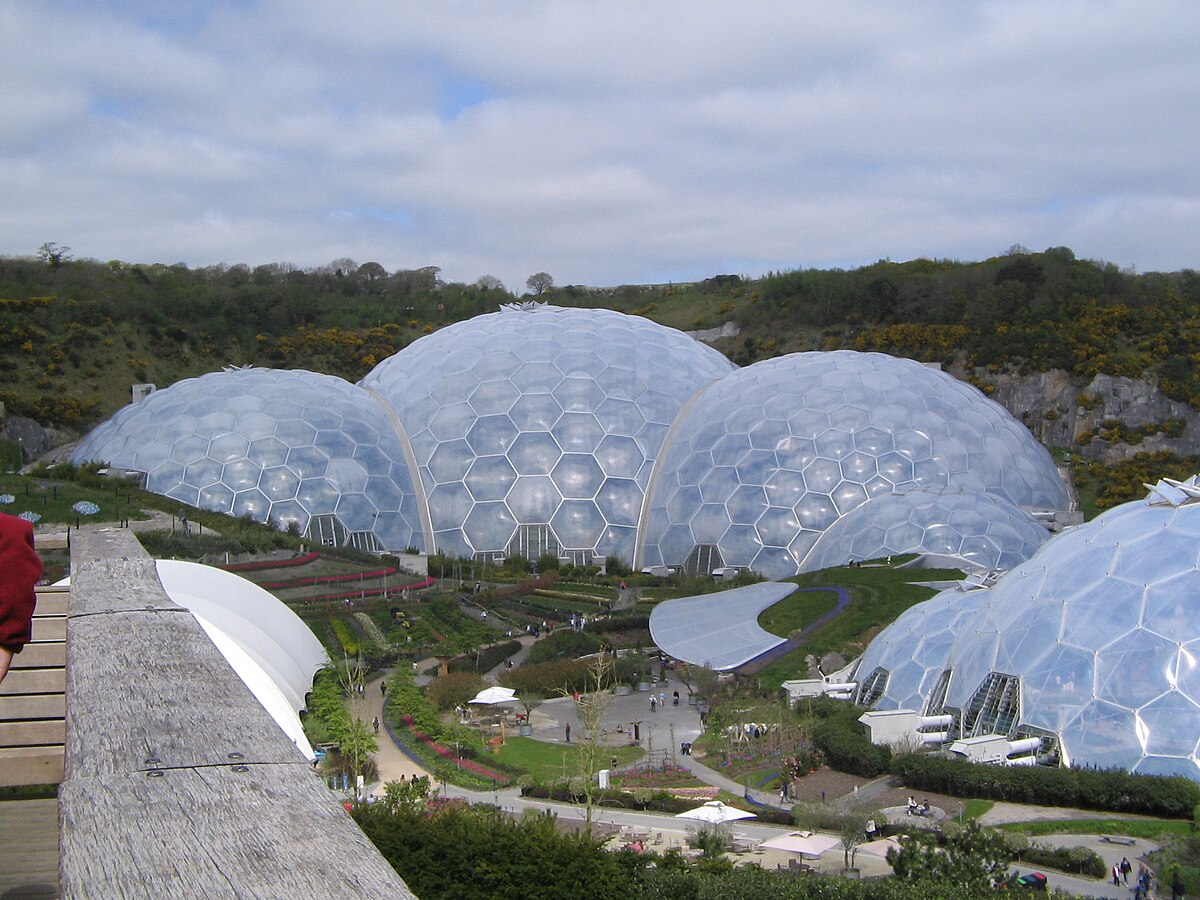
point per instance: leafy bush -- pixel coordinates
(486, 659)
(550, 679)
(1068, 859)
(568, 644)
(839, 736)
(454, 689)
(1110, 790)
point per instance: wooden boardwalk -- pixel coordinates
(28, 849)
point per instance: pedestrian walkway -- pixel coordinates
(392, 762)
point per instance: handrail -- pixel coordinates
(177, 782)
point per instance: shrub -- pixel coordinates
(454, 689)
(1110, 790)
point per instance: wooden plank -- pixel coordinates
(58, 541)
(33, 706)
(271, 831)
(30, 765)
(50, 628)
(34, 681)
(52, 604)
(41, 656)
(32, 733)
(178, 782)
(29, 861)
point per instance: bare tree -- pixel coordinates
(592, 707)
(539, 283)
(54, 255)
(489, 283)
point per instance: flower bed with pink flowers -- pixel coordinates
(273, 563)
(329, 579)
(372, 592)
(447, 754)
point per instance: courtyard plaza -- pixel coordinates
(660, 832)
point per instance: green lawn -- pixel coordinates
(797, 611)
(52, 500)
(1150, 829)
(878, 594)
(551, 762)
(973, 809)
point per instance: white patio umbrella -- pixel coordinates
(714, 812)
(880, 847)
(495, 695)
(806, 843)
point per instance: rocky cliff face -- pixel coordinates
(1061, 410)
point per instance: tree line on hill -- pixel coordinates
(1021, 311)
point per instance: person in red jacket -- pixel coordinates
(20, 568)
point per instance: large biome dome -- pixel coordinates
(535, 428)
(766, 461)
(1092, 644)
(587, 433)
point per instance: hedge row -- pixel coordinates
(1109, 790)
(1066, 859)
(660, 801)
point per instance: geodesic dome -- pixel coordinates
(293, 447)
(978, 530)
(901, 666)
(1094, 642)
(535, 428)
(764, 461)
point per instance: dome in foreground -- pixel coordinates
(1093, 643)
(535, 428)
(768, 459)
(293, 447)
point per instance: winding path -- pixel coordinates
(756, 665)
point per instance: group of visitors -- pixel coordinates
(918, 809)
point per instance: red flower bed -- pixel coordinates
(273, 563)
(445, 753)
(373, 592)
(329, 579)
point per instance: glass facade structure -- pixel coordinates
(766, 461)
(297, 448)
(982, 530)
(1100, 629)
(535, 429)
(589, 433)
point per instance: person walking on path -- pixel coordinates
(568, 730)
(1126, 868)
(375, 724)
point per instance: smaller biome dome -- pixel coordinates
(969, 531)
(764, 461)
(303, 450)
(1094, 642)
(535, 428)
(902, 665)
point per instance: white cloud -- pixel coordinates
(604, 142)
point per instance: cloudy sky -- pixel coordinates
(603, 142)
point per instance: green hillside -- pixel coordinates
(74, 335)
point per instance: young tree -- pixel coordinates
(530, 700)
(592, 707)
